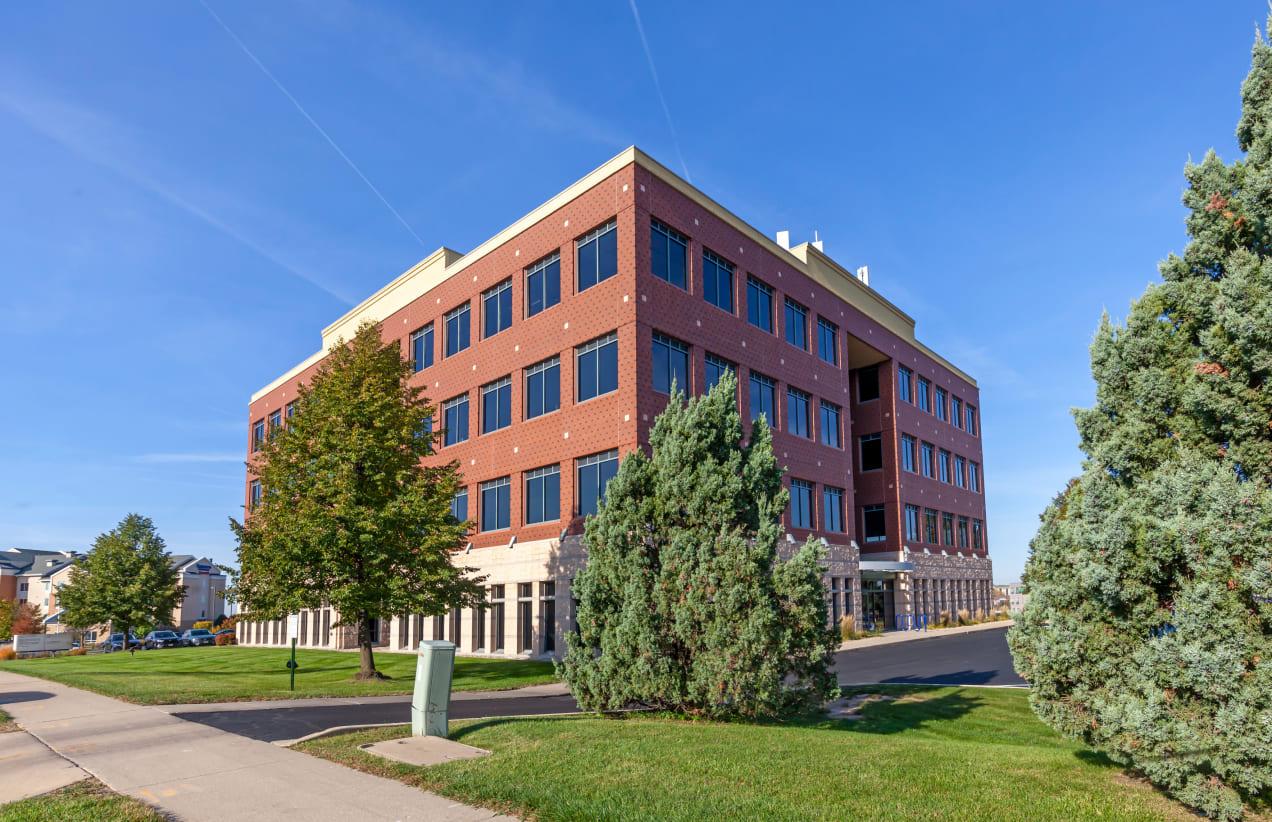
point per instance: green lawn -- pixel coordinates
(231, 673)
(7, 723)
(938, 754)
(89, 799)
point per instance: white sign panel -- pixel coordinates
(38, 643)
(293, 626)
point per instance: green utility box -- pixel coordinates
(434, 667)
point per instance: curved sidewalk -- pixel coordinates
(194, 772)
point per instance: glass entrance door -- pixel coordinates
(876, 603)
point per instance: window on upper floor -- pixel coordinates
(827, 341)
(830, 430)
(912, 532)
(797, 413)
(254, 494)
(908, 447)
(258, 434)
(496, 504)
(924, 394)
(978, 535)
(716, 367)
(668, 253)
(497, 309)
(871, 452)
(459, 505)
(543, 495)
(796, 324)
(927, 459)
(670, 364)
(455, 420)
(717, 281)
(905, 383)
(496, 405)
(971, 420)
(868, 383)
(597, 365)
(457, 327)
(947, 529)
(960, 472)
(956, 412)
(759, 304)
(833, 509)
(943, 464)
(543, 284)
(801, 504)
(874, 523)
(940, 401)
(973, 477)
(594, 474)
(929, 527)
(763, 399)
(543, 388)
(597, 255)
(962, 532)
(422, 348)
(275, 422)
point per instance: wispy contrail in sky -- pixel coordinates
(314, 122)
(658, 87)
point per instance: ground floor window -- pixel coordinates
(876, 599)
(547, 592)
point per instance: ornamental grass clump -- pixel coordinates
(1148, 630)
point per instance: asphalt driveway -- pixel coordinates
(974, 658)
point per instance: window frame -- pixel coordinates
(502, 488)
(540, 369)
(669, 235)
(825, 408)
(447, 429)
(543, 267)
(802, 490)
(909, 453)
(931, 526)
(947, 529)
(768, 387)
(718, 264)
(420, 343)
(761, 291)
(972, 425)
(797, 416)
(669, 345)
(461, 493)
(462, 314)
(798, 311)
(960, 471)
(927, 459)
(876, 437)
(973, 477)
(598, 459)
(882, 512)
(905, 384)
(596, 235)
(501, 294)
(913, 523)
(258, 434)
(503, 404)
(943, 459)
(542, 475)
(825, 325)
(833, 509)
(595, 346)
(710, 361)
(923, 390)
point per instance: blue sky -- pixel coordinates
(174, 231)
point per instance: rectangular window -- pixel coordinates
(289, 411)
(597, 367)
(956, 412)
(671, 364)
(797, 412)
(479, 621)
(912, 533)
(455, 420)
(908, 444)
(543, 495)
(275, 422)
(759, 304)
(929, 526)
(254, 494)
(801, 504)
(928, 454)
(459, 505)
(796, 324)
(422, 348)
(495, 503)
(716, 368)
(496, 405)
(457, 330)
(668, 253)
(943, 463)
(525, 618)
(258, 434)
(598, 255)
(830, 425)
(947, 529)
(905, 380)
(763, 399)
(978, 534)
(960, 472)
(924, 392)
(833, 509)
(717, 281)
(971, 420)
(827, 341)
(543, 388)
(547, 608)
(497, 308)
(874, 523)
(871, 452)
(594, 473)
(973, 477)
(962, 532)
(940, 402)
(543, 284)
(497, 618)
(868, 384)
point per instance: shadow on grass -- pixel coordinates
(964, 677)
(913, 707)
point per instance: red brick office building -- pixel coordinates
(548, 351)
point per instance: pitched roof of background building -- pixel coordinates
(35, 561)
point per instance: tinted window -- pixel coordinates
(455, 420)
(796, 324)
(671, 362)
(717, 281)
(871, 452)
(874, 523)
(759, 304)
(457, 330)
(833, 509)
(543, 285)
(830, 424)
(459, 505)
(543, 388)
(497, 305)
(496, 405)
(801, 504)
(763, 399)
(598, 367)
(422, 348)
(868, 384)
(598, 255)
(827, 341)
(797, 412)
(495, 502)
(595, 472)
(904, 383)
(716, 368)
(543, 495)
(668, 253)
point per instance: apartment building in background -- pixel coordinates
(550, 349)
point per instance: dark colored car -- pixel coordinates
(116, 643)
(162, 639)
(196, 637)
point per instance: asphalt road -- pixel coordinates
(976, 658)
(979, 658)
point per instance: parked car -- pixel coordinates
(116, 643)
(197, 636)
(162, 639)
(226, 636)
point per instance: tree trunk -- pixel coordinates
(367, 670)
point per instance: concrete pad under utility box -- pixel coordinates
(423, 751)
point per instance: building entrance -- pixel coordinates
(877, 607)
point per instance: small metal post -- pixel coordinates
(293, 664)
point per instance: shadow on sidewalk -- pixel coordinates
(13, 697)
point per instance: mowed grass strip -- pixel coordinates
(88, 799)
(936, 754)
(232, 673)
(6, 723)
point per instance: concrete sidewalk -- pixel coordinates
(28, 768)
(194, 772)
(893, 637)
